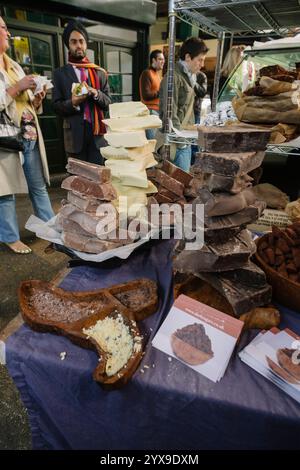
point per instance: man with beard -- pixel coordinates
(83, 114)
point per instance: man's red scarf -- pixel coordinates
(96, 113)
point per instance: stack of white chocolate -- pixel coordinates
(129, 153)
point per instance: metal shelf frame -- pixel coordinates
(283, 150)
(190, 12)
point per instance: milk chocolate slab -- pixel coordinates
(232, 139)
(70, 226)
(84, 203)
(245, 216)
(177, 173)
(191, 191)
(228, 164)
(86, 187)
(165, 192)
(222, 235)
(233, 254)
(93, 245)
(87, 221)
(92, 171)
(240, 296)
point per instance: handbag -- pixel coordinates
(10, 134)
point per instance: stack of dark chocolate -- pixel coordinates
(89, 197)
(222, 184)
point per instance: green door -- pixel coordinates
(119, 65)
(35, 52)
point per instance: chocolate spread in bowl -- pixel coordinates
(135, 298)
(50, 306)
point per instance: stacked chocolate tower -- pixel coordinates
(223, 185)
(89, 196)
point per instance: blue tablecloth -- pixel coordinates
(169, 406)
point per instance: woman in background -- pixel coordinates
(26, 172)
(234, 57)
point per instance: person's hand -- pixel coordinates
(26, 83)
(39, 97)
(77, 100)
(93, 92)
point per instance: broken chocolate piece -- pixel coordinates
(223, 227)
(228, 164)
(165, 192)
(250, 275)
(233, 185)
(240, 296)
(217, 256)
(177, 173)
(232, 139)
(92, 171)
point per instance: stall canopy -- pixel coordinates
(143, 11)
(240, 17)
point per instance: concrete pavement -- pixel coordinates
(14, 268)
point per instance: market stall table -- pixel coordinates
(166, 405)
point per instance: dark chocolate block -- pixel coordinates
(177, 173)
(240, 296)
(250, 275)
(219, 229)
(232, 139)
(217, 256)
(219, 183)
(88, 222)
(228, 164)
(225, 227)
(245, 216)
(191, 191)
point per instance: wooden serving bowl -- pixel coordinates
(285, 291)
(47, 308)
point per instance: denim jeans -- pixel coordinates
(150, 133)
(195, 148)
(183, 158)
(32, 167)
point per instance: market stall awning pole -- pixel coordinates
(221, 39)
(170, 82)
